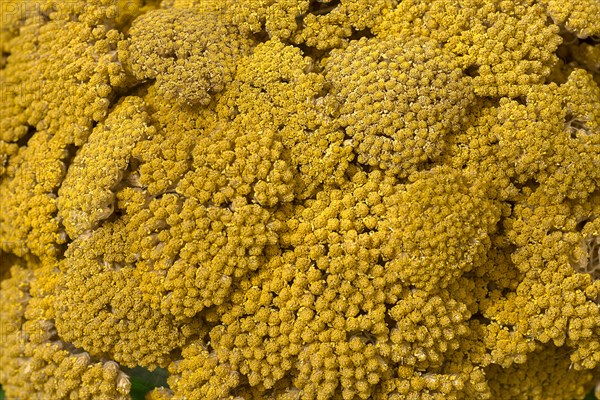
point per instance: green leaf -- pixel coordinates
(143, 381)
(590, 395)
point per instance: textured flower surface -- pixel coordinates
(300, 199)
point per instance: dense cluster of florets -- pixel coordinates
(300, 199)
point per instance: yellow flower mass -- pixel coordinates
(300, 199)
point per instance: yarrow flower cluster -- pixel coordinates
(300, 199)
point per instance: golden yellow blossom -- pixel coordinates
(300, 199)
